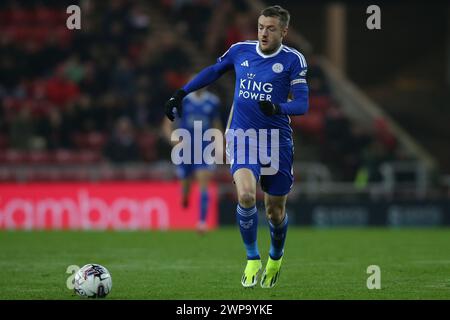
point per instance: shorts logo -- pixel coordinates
(205, 147)
(277, 68)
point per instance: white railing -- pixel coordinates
(313, 179)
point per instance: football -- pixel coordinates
(93, 281)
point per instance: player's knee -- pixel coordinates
(247, 199)
(275, 213)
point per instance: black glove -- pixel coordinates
(175, 102)
(269, 108)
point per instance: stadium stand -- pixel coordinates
(94, 97)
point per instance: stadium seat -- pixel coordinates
(4, 142)
(40, 34)
(319, 104)
(4, 19)
(12, 156)
(20, 17)
(96, 140)
(38, 157)
(88, 156)
(384, 133)
(147, 146)
(90, 141)
(65, 157)
(46, 16)
(312, 123)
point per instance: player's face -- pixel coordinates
(270, 33)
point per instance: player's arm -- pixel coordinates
(202, 79)
(299, 89)
(299, 104)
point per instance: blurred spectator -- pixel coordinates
(241, 29)
(74, 70)
(139, 19)
(110, 79)
(22, 130)
(123, 79)
(60, 90)
(142, 112)
(122, 146)
(88, 116)
(318, 85)
(52, 130)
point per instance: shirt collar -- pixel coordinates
(258, 50)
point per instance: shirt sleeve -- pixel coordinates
(299, 89)
(212, 73)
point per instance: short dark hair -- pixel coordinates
(279, 12)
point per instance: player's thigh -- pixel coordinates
(245, 182)
(280, 183)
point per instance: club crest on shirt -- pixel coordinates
(277, 68)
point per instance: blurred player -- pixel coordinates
(202, 107)
(266, 72)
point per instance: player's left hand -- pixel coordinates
(175, 102)
(269, 108)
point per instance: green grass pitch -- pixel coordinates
(318, 264)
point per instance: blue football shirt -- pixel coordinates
(261, 77)
(204, 108)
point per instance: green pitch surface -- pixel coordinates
(318, 264)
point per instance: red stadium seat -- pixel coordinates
(147, 146)
(11, 104)
(75, 175)
(69, 157)
(174, 79)
(2, 158)
(65, 157)
(312, 123)
(4, 142)
(90, 141)
(21, 17)
(40, 34)
(384, 133)
(45, 16)
(44, 175)
(39, 157)
(95, 141)
(4, 19)
(319, 104)
(7, 175)
(79, 140)
(19, 33)
(88, 156)
(14, 156)
(64, 35)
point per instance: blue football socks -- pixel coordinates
(278, 237)
(247, 219)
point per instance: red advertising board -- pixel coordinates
(117, 206)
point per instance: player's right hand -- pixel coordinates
(175, 102)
